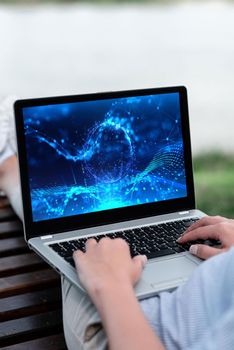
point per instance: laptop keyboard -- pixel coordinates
(154, 241)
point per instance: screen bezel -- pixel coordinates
(52, 226)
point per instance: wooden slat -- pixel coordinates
(6, 214)
(30, 303)
(30, 293)
(12, 246)
(22, 263)
(4, 201)
(32, 327)
(28, 282)
(10, 227)
(53, 342)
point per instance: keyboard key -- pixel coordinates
(70, 261)
(179, 249)
(160, 253)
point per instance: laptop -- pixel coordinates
(114, 164)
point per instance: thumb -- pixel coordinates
(139, 262)
(204, 251)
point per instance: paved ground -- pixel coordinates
(50, 50)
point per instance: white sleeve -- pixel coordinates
(220, 336)
(182, 318)
(7, 128)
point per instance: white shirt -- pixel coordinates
(7, 129)
(200, 314)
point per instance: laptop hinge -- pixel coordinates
(183, 212)
(46, 237)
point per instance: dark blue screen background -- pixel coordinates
(91, 156)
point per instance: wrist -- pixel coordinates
(106, 291)
(123, 319)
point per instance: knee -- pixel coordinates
(82, 325)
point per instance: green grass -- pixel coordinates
(214, 183)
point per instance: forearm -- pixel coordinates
(123, 320)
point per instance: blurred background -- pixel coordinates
(71, 47)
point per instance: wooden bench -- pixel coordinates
(30, 293)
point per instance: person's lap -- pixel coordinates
(179, 318)
(81, 322)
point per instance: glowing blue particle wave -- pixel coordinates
(122, 155)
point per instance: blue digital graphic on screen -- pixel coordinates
(91, 156)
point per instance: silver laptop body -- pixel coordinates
(103, 163)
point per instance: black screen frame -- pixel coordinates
(69, 223)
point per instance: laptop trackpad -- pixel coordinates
(173, 271)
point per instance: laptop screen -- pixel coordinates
(92, 156)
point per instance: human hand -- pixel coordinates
(106, 264)
(209, 227)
